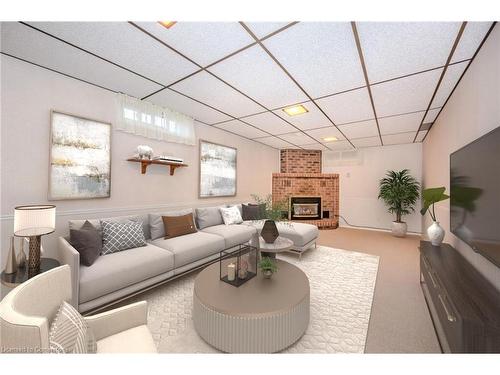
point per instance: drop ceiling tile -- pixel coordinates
(26, 43)
(339, 146)
(396, 139)
(297, 138)
(394, 49)
(310, 120)
(409, 94)
(400, 124)
(203, 42)
(366, 142)
(240, 128)
(450, 79)
(361, 129)
(257, 75)
(351, 106)
(472, 37)
(431, 115)
(420, 136)
(315, 146)
(330, 131)
(208, 89)
(275, 142)
(170, 99)
(123, 44)
(270, 123)
(321, 56)
(261, 29)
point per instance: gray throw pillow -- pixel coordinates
(87, 241)
(70, 333)
(121, 236)
(253, 211)
(208, 217)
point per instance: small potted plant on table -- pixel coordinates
(268, 267)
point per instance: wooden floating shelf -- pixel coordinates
(145, 163)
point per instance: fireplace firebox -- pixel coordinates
(305, 208)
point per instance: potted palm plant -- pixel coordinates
(430, 197)
(400, 192)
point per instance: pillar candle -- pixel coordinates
(231, 272)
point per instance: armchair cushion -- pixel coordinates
(134, 340)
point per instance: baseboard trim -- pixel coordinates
(375, 229)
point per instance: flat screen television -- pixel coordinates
(475, 195)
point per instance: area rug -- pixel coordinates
(342, 285)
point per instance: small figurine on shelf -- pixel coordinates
(145, 152)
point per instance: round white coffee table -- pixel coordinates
(260, 316)
(279, 245)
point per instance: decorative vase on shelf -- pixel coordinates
(11, 265)
(269, 231)
(21, 257)
(435, 233)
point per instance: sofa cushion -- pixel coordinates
(88, 242)
(118, 270)
(156, 223)
(253, 211)
(121, 236)
(143, 219)
(300, 233)
(231, 215)
(191, 247)
(208, 216)
(176, 226)
(233, 234)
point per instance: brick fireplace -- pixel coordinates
(305, 189)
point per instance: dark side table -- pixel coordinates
(11, 280)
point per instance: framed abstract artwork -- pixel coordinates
(217, 170)
(80, 158)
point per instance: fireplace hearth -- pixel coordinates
(305, 208)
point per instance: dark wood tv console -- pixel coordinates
(464, 306)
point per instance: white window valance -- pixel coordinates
(152, 121)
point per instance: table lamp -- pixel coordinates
(34, 221)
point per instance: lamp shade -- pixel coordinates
(34, 220)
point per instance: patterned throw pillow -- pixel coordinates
(231, 215)
(69, 333)
(121, 236)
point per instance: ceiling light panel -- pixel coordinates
(420, 136)
(240, 128)
(297, 138)
(270, 123)
(431, 115)
(312, 119)
(394, 49)
(351, 106)
(208, 89)
(405, 95)
(203, 42)
(275, 142)
(262, 29)
(295, 110)
(450, 79)
(257, 75)
(472, 37)
(321, 134)
(321, 56)
(26, 43)
(400, 124)
(125, 45)
(366, 142)
(360, 129)
(396, 139)
(170, 99)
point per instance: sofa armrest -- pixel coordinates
(118, 320)
(67, 254)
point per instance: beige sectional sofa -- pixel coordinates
(119, 275)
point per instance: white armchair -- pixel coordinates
(26, 313)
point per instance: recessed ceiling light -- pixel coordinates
(330, 139)
(167, 24)
(295, 110)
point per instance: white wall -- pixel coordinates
(359, 184)
(28, 93)
(472, 111)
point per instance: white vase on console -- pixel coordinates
(435, 233)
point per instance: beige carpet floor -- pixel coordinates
(400, 321)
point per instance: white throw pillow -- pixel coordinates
(231, 215)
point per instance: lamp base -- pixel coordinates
(34, 253)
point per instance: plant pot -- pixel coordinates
(267, 274)
(269, 231)
(399, 229)
(435, 233)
